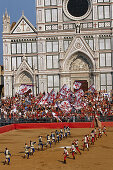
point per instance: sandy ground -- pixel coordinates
(99, 156)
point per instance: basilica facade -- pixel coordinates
(72, 41)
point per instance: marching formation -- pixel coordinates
(55, 137)
(88, 139)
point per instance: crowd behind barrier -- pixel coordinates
(27, 109)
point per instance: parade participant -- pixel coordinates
(65, 132)
(48, 140)
(88, 140)
(76, 145)
(99, 133)
(7, 156)
(92, 137)
(95, 133)
(73, 150)
(40, 142)
(85, 143)
(32, 149)
(61, 134)
(26, 151)
(104, 130)
(65, 154)
(57, 135)
(53, 137)
(68, 130)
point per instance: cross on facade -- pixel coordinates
(95, 25)
(23, 24)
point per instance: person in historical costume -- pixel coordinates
(73, 150)
(104, 130)
(76, 143)
(32, 149)
(49, 140)
(85, 145)
(26, 151)
(40, 142)
(7, 156)
(65, 153)
(53, 137)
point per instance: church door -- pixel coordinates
(84, 85)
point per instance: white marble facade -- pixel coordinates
(63, 47)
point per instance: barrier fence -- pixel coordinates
(51, 125)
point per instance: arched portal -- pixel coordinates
(80, 68)
(24, 78)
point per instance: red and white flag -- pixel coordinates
(43, 99)
(65, 106)
(76, 85)
(79, 94)
(24, 88)
(92, 88)
(64, 91)
(78, 104)
(52, 96)
(55, 115)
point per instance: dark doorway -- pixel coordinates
(84, 85)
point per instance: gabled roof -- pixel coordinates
(23, 26)
(24, 66)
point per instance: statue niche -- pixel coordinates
(79, 65)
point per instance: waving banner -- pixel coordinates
(65, 106)
(76, 85)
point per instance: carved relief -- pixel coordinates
(79, 65)
(78, 44)
(25, 78)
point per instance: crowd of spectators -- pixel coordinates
(26, 108)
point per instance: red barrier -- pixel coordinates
(52, 125)
(7, 128)
(107, 124)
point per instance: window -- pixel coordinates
(105, 44)
(90, 43)
(23, 48)
(34, 47)
(19, 60)
(19, 48)
(52, 61)
(103, 0)
(105, 59)
(51, 15)
(106, 82)
(49, 62)
(35, 65)
(104, 12)
(28, 47)
(52, 46)
(66, 44)
(13, 48)
(53, 83)
(50, 2)
(47, 2)
(55, 46)
(13, 63)
(29, 60)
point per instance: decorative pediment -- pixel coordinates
(23, 26)
(24, 66)
(78, 45)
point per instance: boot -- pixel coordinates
(64, 161)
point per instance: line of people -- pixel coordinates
(87, 141)
(54, 137)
